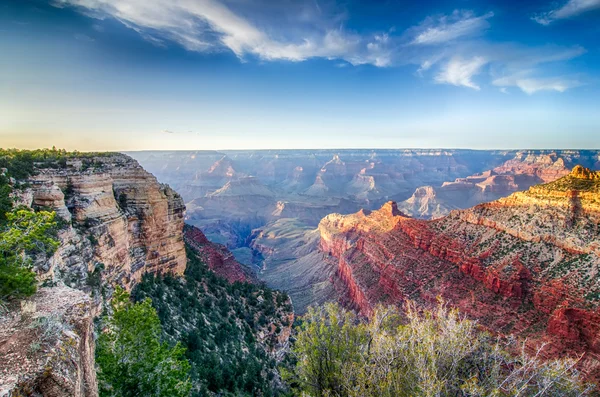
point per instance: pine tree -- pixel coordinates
(131, 358)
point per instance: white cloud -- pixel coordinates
(459, 71)
(571, 9)
(530, 85)
(209, 25)
(444, 47)
(168, 132)
(450, 27)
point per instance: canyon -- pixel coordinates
(265, 206)
(510, 238)
(230, 193)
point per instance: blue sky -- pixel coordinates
(252, 74)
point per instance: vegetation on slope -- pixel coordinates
(581, 179)
(228, 329)
(430, 354)
(23, 232)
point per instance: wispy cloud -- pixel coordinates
(571, 9)
(445, 28)
(530, 84)
(208, 25)
(459, 63)
(449, 48)
(460, 71)
(168, 131)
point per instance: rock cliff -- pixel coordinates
(218, 258)
(115, 214)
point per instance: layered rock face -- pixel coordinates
(47, 347)
(525, 265)
(121, 218)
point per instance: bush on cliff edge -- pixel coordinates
(435, 353)
(24, 234)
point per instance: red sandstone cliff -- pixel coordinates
(218, 258)
(525, 265)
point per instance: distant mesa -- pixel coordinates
(247, 186)
(222, 168)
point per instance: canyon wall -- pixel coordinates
(116, 215)
(525, 265)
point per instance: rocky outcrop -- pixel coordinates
(47, 347)
(218, 258)
(116, 214)
(425, 203)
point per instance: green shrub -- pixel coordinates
(24, 234)
(434, 353)
(16, 281)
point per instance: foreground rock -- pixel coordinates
(47, 348)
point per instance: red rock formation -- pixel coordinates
(515, 265)
(218, 258)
